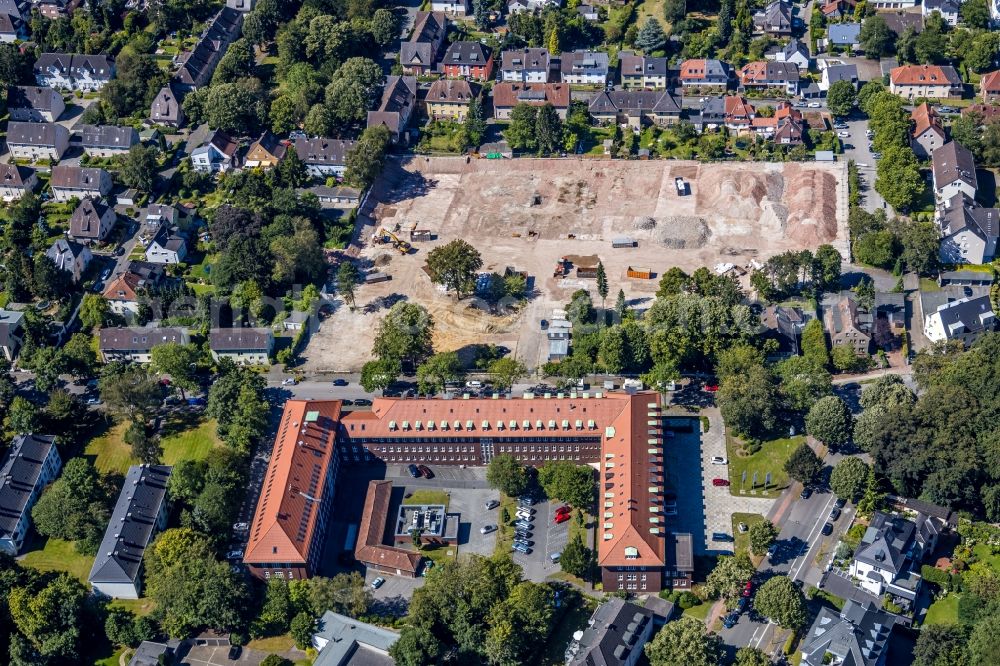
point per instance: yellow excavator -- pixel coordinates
(383, 235)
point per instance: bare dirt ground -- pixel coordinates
(529, 213)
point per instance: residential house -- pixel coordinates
(987, 112)
(635, 107)
(160, 214)
(929, 81)
(890, 319)
(216, 155)
(856, 635)
(166, 108)
(241, 5)
(470, 60)
(453, 7)
(585, 67)
(893, 4)
(786, 127)
(588, 12)
(13, 15)
(965, 319)
(989, 87)
(167, 246)
(344, 641)
(11, 333)
(245, 346)
(16, 181)
(37, 141)
(994, 13)
(845, 325)
(844, 36)
(711, 114)
(965, 278)
(140, 513)
(107, 140)
(888, 559)
(508, 95)
(899, 21)
(288, 530)
(953, 169)
(794, 52)
(739, 114)
(518, 6)
(449, 99)
(775, 20)
(700, 73)
(265, 152)
(833, 73)
(124, 289)
(948, 9)
(834, 10)
(54, 9)
(296, 320)
(370, 548)
(74, 71)
(324, 157)
(70, 182)
(34, 104)
(198, 65)
(525, 66)
(151, 653)
(32, 462)
(335, 197)
(92, 221)
(643, 72)
(769, 74)
(785, 325)
(399, 99)
(927, 133)
(136, 345)
(70, 256)
(419, 55)
(615, 635)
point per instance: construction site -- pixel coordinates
(555, 220)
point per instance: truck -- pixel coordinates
(680, 185)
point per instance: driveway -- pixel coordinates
(856, 148)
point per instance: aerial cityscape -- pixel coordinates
(500, 333)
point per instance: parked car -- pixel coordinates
(526, 499)
(721, 536)
(720, 482)
(362, 402)
(806, 493)
(730, 620)
(844, 135)
(520, 515)
(93, 401)
(711, 388)
(814, 105)
(563, 509)
(523, 525)
(340, 382)
(827, 529)
(378, 582)
(426, 471)
(561, 518)
(521, 548)
(347, 402)
(486, 529)
(526, 509)
(413, 470)
(474, 384)
(719, 460)
(523, 534)
(840, 503)
(772, 550)
(748, 588)
(492, 504)
(196, 402)
(524, 542)
(291, 381)
(234, 554)
(241, 527)
(834, 514)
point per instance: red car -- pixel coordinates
(426, 471)
(711, 388)
(748, 588)
(561, 518)
(563, 509)
(720, 482)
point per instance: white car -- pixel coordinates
(844, 135)
(486, 529)
(291, 381)
(814, 105)
(719, 460)
(241, 527)
(473, 384)
(524, 516)
(377, 583)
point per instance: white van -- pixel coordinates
(555, 557)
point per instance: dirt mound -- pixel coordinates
(682, 232)
(812, 206)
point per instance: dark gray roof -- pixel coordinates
(793, 47)
(86, 219)
(39, 98)
(613, 635)
(634, 101)
(132, 525)
(149, 653)
(961, 212)
(169, 239)
(78, 178)
(844, 34)
(466, 53)
(976, 277)
(10, 324)
(33, 134)
(584, 62)
(323, 151)
(777, 15)
(201, 61)
(108, 136)
(967, 315)
(943, 6)
(847, 73)
(352, 642)
(139, 339)
(532, 60)
(953, 162)
(19, 474)
(886, 542)
(858, 635)
(63, 251)
(898, 22)
(239, 339)
(638, 65)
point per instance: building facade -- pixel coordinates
(32, 462)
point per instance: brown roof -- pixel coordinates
(536, 94)
(139, 339)
(270, 144)
(284, 523)
(86, 219)
(737, 107)
(76, 177)
(925, 118)
(449, 91)
(987, 111)
(370, 550)
(990, 82)
(12, 175)
(924, 75)
(124, 287)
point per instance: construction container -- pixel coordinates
(639, 273)
(623, 241)
(372, 278)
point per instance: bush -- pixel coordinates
(704, 423)
(935, 575)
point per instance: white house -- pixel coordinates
(107, 140)
(585, 67)
(453, 7)
(167, 247)
(34, 104)
(70, 182)
(525, 65)
(245, 346)
(136, 344)
(70, 257)
(949, 9)
(216, 155)
(953, 169)
(73, 71)
(965, 319)
(324, 157)
(15, 181)
(32, 462)
(37, 141)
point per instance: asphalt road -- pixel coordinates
(856, 148)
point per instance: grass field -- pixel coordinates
(742, 544)
(699, 612)
(943, 611)
(59, 555)
(426, 496)
(142, 606)
(111, 454)
(276, 644)
(771, 458)
(113, 660)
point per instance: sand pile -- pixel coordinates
(682, 232)
(812, 206)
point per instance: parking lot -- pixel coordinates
(549, 538)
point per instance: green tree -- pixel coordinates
(436, 371)
(568, 482)
(475, 124)
(454, 265)
(803, 382)
(887, 391)
(145, 447)
(841, 98)
(750, 656)
(829, 421)
(762, 536)
(180, 362)
(898, 177)
(404, 334)
(52, 618)
(867, 427)
(621, 307)
(94, 311)
(303, 626)
(365, 161)
(131, 392)
(920, 241)
(749, 402)
(728, 578)
(505, 372)
(548, 130)
(845, 359)
(345, 593)
(975, 14)
(673, 282)
(684, 642)
(21, 416)
(782, 602)
(876, 38)
(507, 475)
(140, 166)
(347, 280)
(814, 344)
(674, 11)
(651, 36)
(613, 353)
(576, 559)
(416, 646)
(378, 375)
(849, 478)
(877, 248)
(804, 465)
(867, 92)
(384, 26)
(74, 507)
(276, 660)
(941, 645)
(602, 283)
(520, 132)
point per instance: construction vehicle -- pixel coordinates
(562, 268)
(384, 236)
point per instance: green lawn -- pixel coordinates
(771, 458)
(699, 612)
(742, 544)
(943, 611)
(113, 660)
(112, 455)
(59, 555)
(831, 599)
(427, 496)
(986, 556)
(143, 606)
(505, 531)
(275, 644)
(110, 452)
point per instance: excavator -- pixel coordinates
(385, 236)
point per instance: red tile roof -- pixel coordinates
(370, 549)
(506, 95)
(925, 118)
(289, 506)
(925, 75)
(990, 83)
